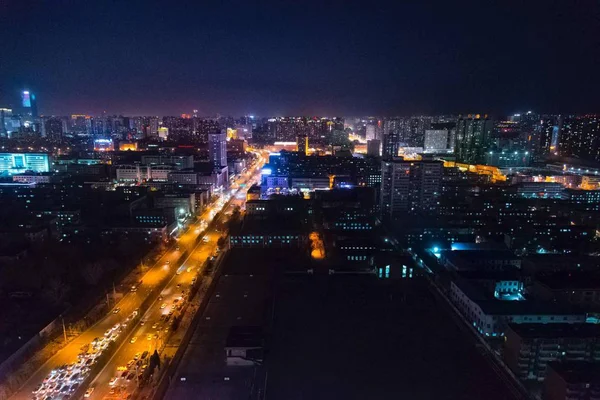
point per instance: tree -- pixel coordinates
(221, 242)
(93, 272)
(56, 290)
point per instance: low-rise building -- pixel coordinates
(530, 347)
(41, 177)
(491, 316)
(576, 287)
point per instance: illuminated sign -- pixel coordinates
(266, 171)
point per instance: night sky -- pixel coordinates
(301, 57)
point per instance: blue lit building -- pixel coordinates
(17, 163)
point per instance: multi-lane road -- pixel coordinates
(150, 328)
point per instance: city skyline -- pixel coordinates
(290, 59)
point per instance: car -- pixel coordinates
(113, 381)
(160, 298)
(178, 285)
(178, 272)
(108, 332)
(175, 301)
(155, 325)
(116, 310)
(167, 262)
(143, 322)
(177, 248)
(133, 339)
(144, 355)
(149, 337)
(163, 305)
(124, 375)
(38, 388)
(137, 356)
(89, 392)
(134, 288)
(130, 363)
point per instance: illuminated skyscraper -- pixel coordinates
(29, 104)
(217, 149)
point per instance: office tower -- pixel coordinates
(436, 141)
(473, 135)
(29, 104)
(5, 114)
(371, 132)
(302, 144)
(217, 149)
(409, 187)
(374, 147)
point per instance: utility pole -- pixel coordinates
(114, 291)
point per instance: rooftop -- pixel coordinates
(551, 331)
(245, 336)
(577, 371)
(571, 280)
(493, 306)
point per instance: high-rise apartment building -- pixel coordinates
(409, 186)
(580, 137)
(217, 149)
(54, 128)
(436, 140)
(374, 147)
(302, 144)
(370, 132)
(473, 135)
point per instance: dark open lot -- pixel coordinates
(357, 337)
